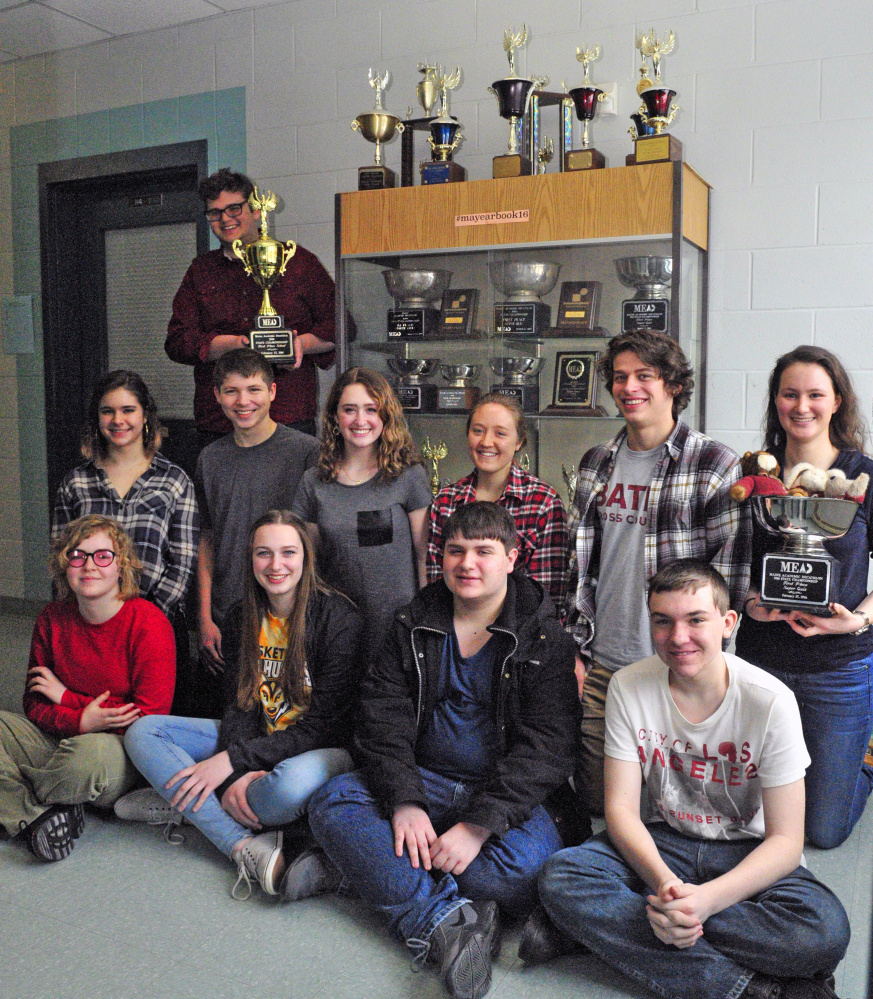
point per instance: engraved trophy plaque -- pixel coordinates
(265, 261)
(585, 99)
(460, 396)
(649, 309)
(575, 390)
(445, 134)
(377, 126)
(802, 575)
(657, 110)
(415, 394)
(520, 379)
(523, 313)
(415, 315)
(513, 94)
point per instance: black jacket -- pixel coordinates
(536, 704)
(334, 627)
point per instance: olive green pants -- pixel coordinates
(589, 771)
(38, 770)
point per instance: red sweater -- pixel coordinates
(132, 655)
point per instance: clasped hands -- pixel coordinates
(677, 912)
(451, 853)
(201, 779)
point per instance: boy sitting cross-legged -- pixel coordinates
(709, 899)
(468, 724)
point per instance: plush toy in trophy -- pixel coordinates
(760, 477)
(805, 479)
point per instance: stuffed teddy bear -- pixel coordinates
(760, 477)
(807, 480)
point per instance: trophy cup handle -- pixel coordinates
(400, 127)
(288, 251)
(355, 125)
(494, 93)
(672, 114)
(238, 248)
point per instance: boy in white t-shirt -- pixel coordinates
(708, 898)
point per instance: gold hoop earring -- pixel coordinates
(145, 428)
(336, 430)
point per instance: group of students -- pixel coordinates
(491, 670)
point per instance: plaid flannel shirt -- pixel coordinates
(159, 512)
(541, 520)
(691, 515)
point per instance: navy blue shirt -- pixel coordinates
(461, 740)
(773, 645)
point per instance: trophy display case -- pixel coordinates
(527, 278)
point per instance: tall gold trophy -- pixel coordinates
(265, 260)
(377, 126)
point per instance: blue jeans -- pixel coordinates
(797, 925)
(836, 709)
(352, 828)
(162, 745)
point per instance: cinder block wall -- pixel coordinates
(775, 115)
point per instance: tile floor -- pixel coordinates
(129, 915)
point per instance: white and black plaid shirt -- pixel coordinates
(159, 512)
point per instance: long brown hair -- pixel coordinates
(396, 449)
(94, 444)
(847, 429)
(254, 608)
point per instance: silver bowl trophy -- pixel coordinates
(265, 261)
(415, 293)
(523, 313)
(649, 309)
(445, 133)
(414, 393)
(520, 379)
(801, 575)
(377, 126)
(460, 396)
(657, 110)
(585, 100)
(513, 94)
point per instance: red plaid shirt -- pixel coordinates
(539, 514)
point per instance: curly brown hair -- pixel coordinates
(225, 179)
(77, 531)
(661, 352)
(847, 429)
(395, 450)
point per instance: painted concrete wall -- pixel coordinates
(775, 115)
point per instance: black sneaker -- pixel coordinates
(542, 941)
(77, 820)
(49, 837)
(762, 987)
(463, 945)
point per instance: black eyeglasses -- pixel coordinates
(103, 557)
(232, 211)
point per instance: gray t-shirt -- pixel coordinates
(621, 622)
(236, 485)
(366, 541)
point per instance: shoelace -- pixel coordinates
(172, 832)
(420, 949)
(242, 877)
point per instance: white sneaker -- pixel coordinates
(146, 805)
(258, 859)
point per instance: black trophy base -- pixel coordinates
(412, 324)
(800, 582)
(447, 172)
(272, 339)
(375, 178)
(584, 159)
(645, 314)
(457, 400)
(511, 165)
(522, 318)
(657, 148)
(417, 398)
(527, 396)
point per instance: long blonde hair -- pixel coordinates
(255, 606)
(395, 450)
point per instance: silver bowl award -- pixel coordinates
(460, 395)
(801, 575)
(415, 394)
(523, 313)
(415, 294)
(520, 379)
(649, 309)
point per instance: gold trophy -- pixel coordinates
(657, 111)
(377, 126)
(445, 134)
(585, 99)
(513, 94)
(434, 453)
(427, 90)
(265, 260)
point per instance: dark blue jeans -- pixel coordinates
(796, 927)
(352, 828)
(836, 709)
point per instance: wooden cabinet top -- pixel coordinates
(618, 202)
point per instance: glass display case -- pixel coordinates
(516, 285)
